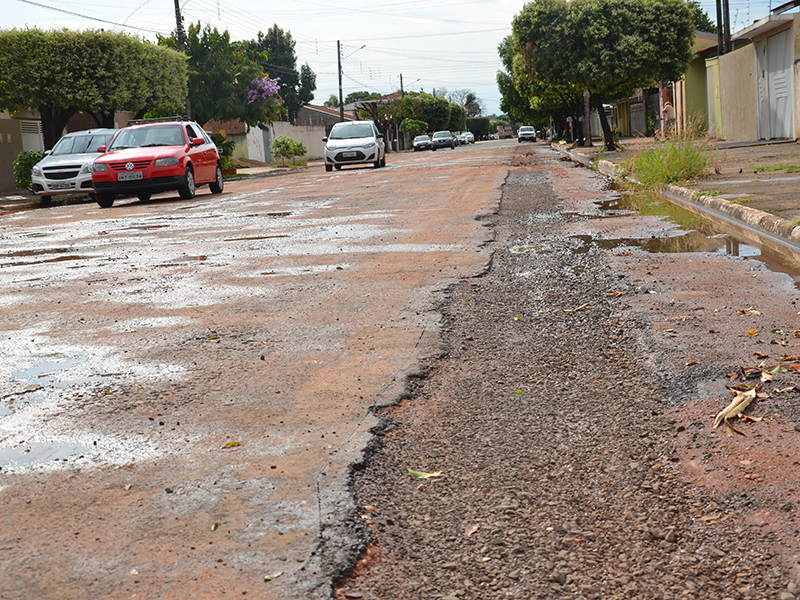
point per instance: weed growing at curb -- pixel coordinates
(675, 161)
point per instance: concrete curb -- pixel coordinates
(770, 230)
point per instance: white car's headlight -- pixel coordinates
(169, 161)
(37, 171)
(97, 167)
(86, 169)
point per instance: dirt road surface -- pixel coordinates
(188, 382)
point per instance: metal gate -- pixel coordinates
(775, 104)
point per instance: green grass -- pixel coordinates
(740, 200)
(675, 161)
(786, 167)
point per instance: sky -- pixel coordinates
(435, 44)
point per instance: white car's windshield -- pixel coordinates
(351, 131)
(145, 137)
(442, 134)
(421, 138)
(80, 144)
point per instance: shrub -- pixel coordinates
(225, 150)
(285, 148)
(23, 166)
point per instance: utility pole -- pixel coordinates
(181, 46)
(402, 96)
(727, 41)
(341, 100)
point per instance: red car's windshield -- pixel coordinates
(147, 137)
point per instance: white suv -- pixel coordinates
(67, 168)
(354, 142)
(526, 133)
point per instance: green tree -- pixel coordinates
(458, 117)
(275, 52)
(702, 22)
(332, 101)
(225, 81)
(62, 72)
(435, 111)
(608, 47)
(467, 99)
(354, 97)
(480, 126)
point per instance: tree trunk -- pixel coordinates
(54, 120)
(608, 135)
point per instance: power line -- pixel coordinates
(74, 14)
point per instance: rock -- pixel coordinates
(715, 552)
(787, 596)
(559, 576)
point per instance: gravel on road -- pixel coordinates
(557, 417)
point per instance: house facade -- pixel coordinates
(759, 82)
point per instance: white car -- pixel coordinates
(352, 143)
(470, 137)
(67, 168)
(526, 133)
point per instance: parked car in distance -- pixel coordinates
(462, 139)
(469, 136)
(67, 167)
(353, 143)
(526, 133)
(422, 142)
(443, 139)
(157, 155)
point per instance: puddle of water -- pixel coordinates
(701, 235)
(182, 259)
(38, 452)
(50, 372)
(260, 237)
(536, 249)
(39, 252)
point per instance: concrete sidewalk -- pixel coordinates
(757, 184)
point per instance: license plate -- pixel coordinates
(61, 186)
(130, 176)
(348, 154)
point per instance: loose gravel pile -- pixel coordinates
(559, 473)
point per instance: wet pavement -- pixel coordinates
(188, 382)
(749, 181)
(192, 380)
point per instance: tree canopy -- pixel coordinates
(467, 98)
(606, 47)
(354, 97)
(226, 81)
(276, 55)
(62, 72)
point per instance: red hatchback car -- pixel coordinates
(156, 155)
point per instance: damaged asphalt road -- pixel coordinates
(192, 383)
(190, 380)
(570, 421)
